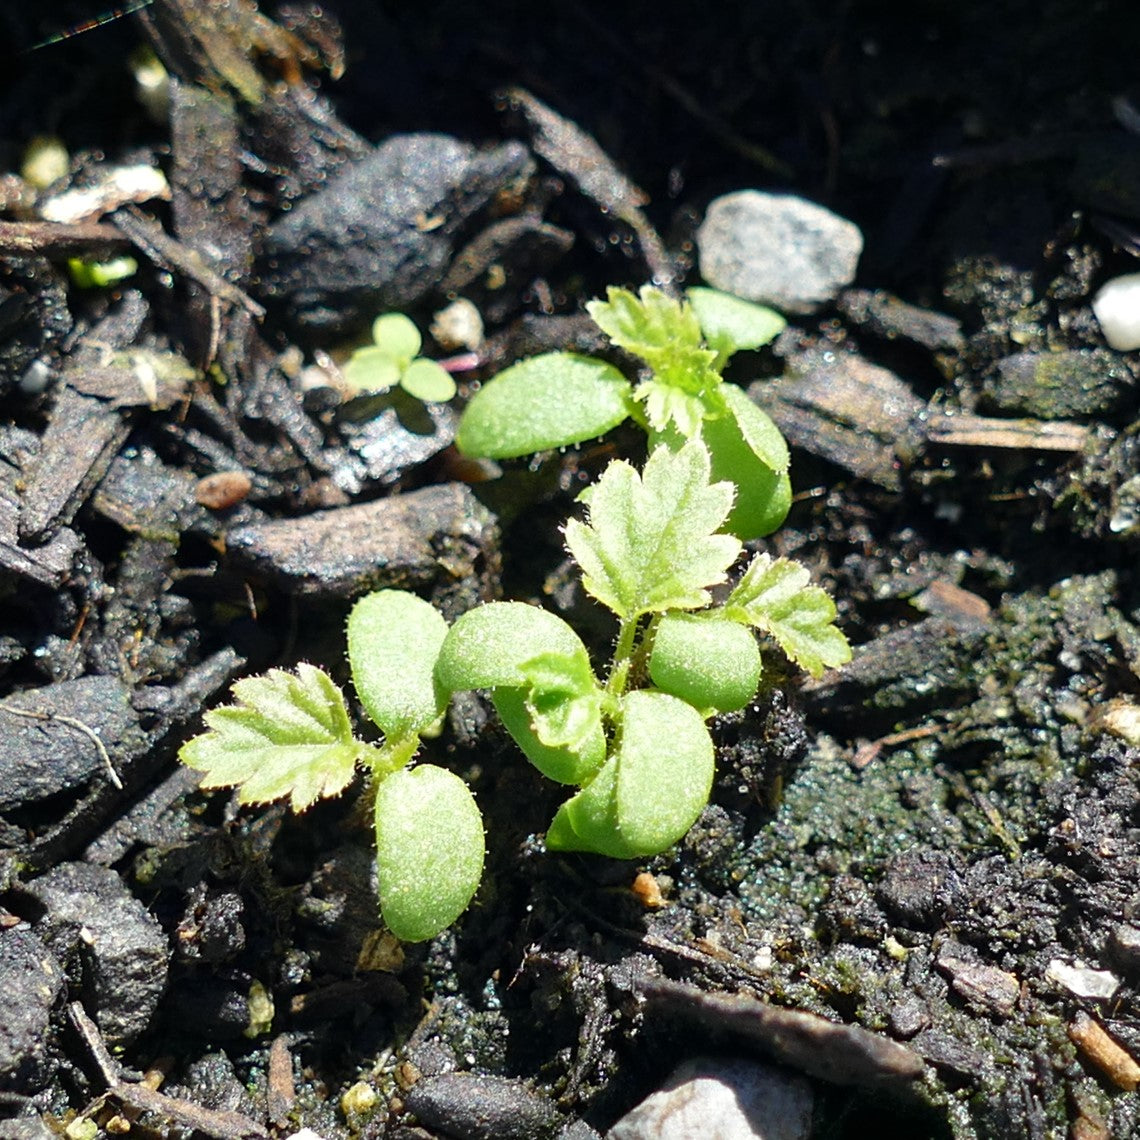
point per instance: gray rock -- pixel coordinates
(1059, 385)
(726, 1098)
(476, 1107)
(116, 953)
(30, 980)
(381, 234)
(777, 249)
(25, 1128)
(43, 749)
(402, 542)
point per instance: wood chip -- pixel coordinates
(222, 1124)
(839, 1054)
(962, 430)
(576, 155)
(1104, 1052)
(404, 541)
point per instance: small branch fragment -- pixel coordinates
(1104, 1052)
(222, 1124)
(149, 237)
(57, 241)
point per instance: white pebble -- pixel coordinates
(1117, 307)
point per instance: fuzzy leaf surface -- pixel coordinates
(288, 736)
(394, 639)
(730, 323)
(776, 597)
(650, 542)
(563, 698)
(651, 789)
(429, 850)
(705, 660)
(546, 401)
(566, 765)
(668, 406)
(488, 646)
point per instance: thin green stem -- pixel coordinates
(392, 755)
(623, 651)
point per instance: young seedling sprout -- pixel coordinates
(651, 548)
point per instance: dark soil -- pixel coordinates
(939, 844)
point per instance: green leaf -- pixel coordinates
(397, 337)
(667, 405)
(756, 428)
(563, 698)
(662, 331)
(489, 645)
(748, 450)
(707, 661)
(775, 596)
(650, 791)
(371, 369)
(288, 736)
(567, 765)
(650, 543)
(394, 639)
(428, 381)
(544, 402)
(730, 323)
(429, 850)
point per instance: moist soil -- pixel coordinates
(937, 844)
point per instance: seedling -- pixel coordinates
(633, 741)
(393, 358)
(560, 398)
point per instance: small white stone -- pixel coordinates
(1117, 307)
(458, 326)
(732, 1099)
(1081, 981)
(113, 187)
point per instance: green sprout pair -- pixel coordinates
(633, 741)
(560, 398)
(393, 359)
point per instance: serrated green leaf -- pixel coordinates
(664, 332)
(737, 434)
(394, 639)
(488, 646)
(371, 369)
(397, 337)
(775, 596)
(547, 401)
(667, 406)
(288, 736)
(730, 324)
(428, 381)
(429, 850)
(650, 543)
(651, 789)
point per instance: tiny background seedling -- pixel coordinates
(393, 359)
